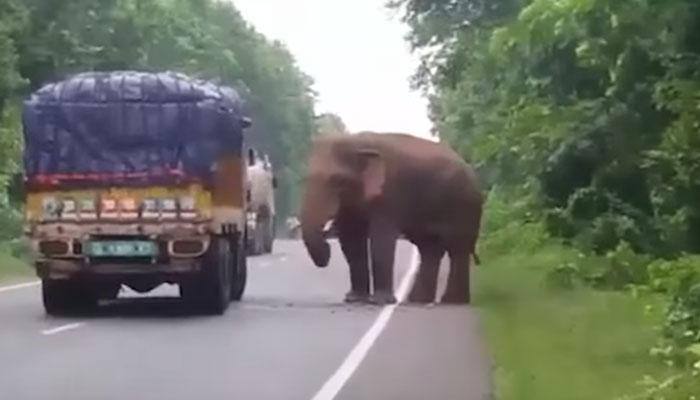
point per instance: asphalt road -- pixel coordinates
(290, 338)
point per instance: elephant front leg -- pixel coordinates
(425, 285)
(353, 242)
(383, 237)
(458, 281)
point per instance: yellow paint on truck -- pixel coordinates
(201, 196)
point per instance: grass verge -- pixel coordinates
(559, 344)
(13, 269)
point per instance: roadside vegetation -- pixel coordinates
(13, 267)
(583, 119)
(556, 334)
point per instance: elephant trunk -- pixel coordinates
(314, 215)
(317, 246)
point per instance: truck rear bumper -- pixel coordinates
(68, 268)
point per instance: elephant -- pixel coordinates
(377, 187)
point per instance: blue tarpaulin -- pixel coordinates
(129, 123)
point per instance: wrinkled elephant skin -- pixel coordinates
(376, 187)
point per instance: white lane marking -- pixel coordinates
(336, 382)
(63, 328)
(19, 286)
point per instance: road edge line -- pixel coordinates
(19, 286)
(335, 383)
(62, 328)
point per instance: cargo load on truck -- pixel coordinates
(128, 126)
(137, 179)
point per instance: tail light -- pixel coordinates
(51, 208)
(168, 208)
(187, 207)
(127, 208)
(149, 209)
(108, 208)
(88, 209)
(54, 248)
(69, 209)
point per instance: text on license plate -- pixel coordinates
(131, 248)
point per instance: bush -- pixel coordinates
(619, 269)
(680, 281)
(564, 276)
(10, 224)
(685, 386)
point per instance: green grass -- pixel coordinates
(13, 269)
(562, 344)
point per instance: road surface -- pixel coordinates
(290, 338)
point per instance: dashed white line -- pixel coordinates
(336, 382)
(19, 286)
(63, 328)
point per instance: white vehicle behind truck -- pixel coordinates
(261, 204)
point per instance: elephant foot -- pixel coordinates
(382, 298)
(356, 297)
(418, 297)
(456, 298)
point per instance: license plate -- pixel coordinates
(131, 248)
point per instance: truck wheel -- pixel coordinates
(260, 245)
(269, 235)
(210, 291)
(250, 241)
(239, 276)
(61, 297)
(254, 245)
(108, 291)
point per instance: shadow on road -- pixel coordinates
(173, 307)
(140, 307)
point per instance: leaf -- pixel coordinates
(694, 349)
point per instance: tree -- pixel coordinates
(330, 124)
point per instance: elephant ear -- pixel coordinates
(373, 173)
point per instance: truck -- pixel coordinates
(136, 179)
(261, 204)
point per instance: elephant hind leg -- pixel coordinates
(425, 285)
(458, 281)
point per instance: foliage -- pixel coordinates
(563, 276)
(618, 269)
(42, 40)
(12, 268)
(683, 386)
(330, 124)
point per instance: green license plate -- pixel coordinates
(130, 248)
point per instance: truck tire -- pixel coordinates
(62, 297)
(269, 240)
(259, 242)
(108, 291)
(239, 277)
(210, 290)
(254, 240)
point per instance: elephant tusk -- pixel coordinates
(328, 225)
